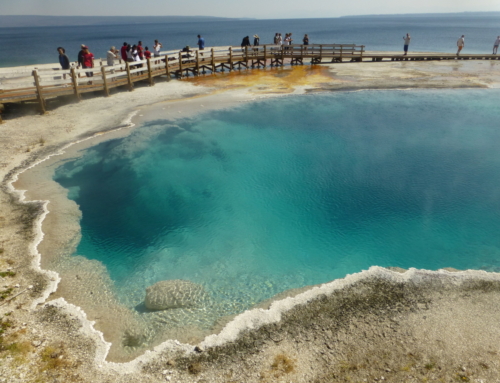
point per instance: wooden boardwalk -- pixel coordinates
(23, 84)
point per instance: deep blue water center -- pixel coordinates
(288, 192)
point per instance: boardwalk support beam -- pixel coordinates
(129, 77)
(150, 73)
(104, 81)
(41, 101)
(74, 79)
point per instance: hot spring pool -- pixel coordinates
(283, 193)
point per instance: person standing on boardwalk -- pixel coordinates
(123, 51)
(305, 40)
(63, 58)
(140, 50)
(130, 58)
(147, 53)
(460, 44)
(88, 61)
(157, 48)
(201, 43)
(80, 56)
(245, 42)
(495, 45)
(276, 38)
(407, 39)
(280, 39)
(111, 56)
(256, 40)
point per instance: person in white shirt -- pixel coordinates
(407, 39)
(130, 58)
(495, 45)
(157, 48)
(460, 44)
(111, 56)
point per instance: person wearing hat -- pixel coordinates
(256, 40)
(80, 56)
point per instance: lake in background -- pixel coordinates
(37, 45)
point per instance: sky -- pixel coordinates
(262, 9)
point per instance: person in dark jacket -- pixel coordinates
(80, 56)
(245, 42)
(63, 59)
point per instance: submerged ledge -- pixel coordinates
(253, 321)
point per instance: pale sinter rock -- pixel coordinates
(174, 293)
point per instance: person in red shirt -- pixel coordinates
(147, 53)
(123, 52)
(88, 61)
(140, 50)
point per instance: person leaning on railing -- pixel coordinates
(111, 55)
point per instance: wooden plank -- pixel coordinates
(75, 84)
(166, 68)
(213, 62)
(150, 74)
(41, 101)
(129, 78)
(180, 64)
(197, 63)
(104, 82)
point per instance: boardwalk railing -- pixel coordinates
(41, 84)
(22, 84)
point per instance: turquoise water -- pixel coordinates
(288, 192)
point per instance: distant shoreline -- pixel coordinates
(23, 21)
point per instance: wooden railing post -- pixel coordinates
(129, 78)
(320, 53)
(362, 50)
(282, 55)
(341, 46)
(231, 58)
(150, 73)
(104, 81)
(213, 60)
(197, 63)
(167, 70)
(246, 55)
(39, 92)
(74, 79)
(265, 55)
(180, 64)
